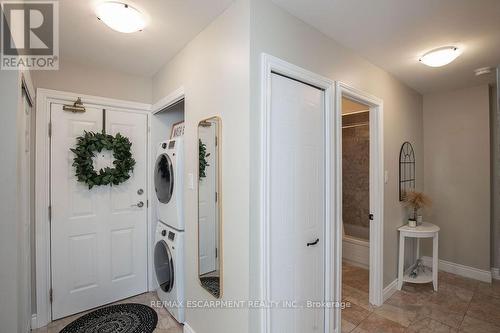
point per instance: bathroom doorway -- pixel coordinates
(362, 200)
(355, 201)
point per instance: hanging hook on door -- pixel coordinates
(76, 107)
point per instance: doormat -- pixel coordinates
(123, 318)
(211, 283)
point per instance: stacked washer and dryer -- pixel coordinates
(169, 242)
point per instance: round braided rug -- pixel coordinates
(120, 318)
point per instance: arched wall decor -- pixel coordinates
(407, 177)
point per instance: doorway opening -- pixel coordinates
(362, 200)
(355, 201)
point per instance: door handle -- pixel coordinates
(139, 204)
(313, 243)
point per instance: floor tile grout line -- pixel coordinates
(468, 307)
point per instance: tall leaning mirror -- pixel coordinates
(209, 206)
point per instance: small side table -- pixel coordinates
(425, 230)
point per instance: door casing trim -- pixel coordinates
(44, 97)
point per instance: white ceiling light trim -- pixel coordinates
(120, 16)
(440, 57)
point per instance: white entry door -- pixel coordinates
(296, 205)
(207, 205)
(98, 236)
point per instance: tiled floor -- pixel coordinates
(166, 323)
(460, 305)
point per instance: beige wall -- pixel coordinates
(90, 80)
(214, 71)
(457, 173)
(276, 32)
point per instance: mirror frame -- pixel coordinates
(220, 251)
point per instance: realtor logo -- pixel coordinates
(30, 35)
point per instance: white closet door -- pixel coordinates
(297, 204)
(98, 239)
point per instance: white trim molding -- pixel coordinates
(459, 269)
(495, 273)
(390, 290)
(376, 106)
(333, 204)
(44, 97)
(33, 321)
(187, 329)
(169, 100)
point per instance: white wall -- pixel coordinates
(214, 71)
(457, 173)
(278, 33)
(9, 91)
(91, 80)
(14, 272)
(495, 175)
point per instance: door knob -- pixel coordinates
(139, 204)
(313, 243)
(140, 191)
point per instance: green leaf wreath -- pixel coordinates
(203, 159)
(91, 142)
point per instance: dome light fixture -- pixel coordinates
(440, 57)
(120, 16)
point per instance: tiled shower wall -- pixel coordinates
(355, 169)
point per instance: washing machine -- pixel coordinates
(169, 268)
(168, 181)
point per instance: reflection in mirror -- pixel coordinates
(209, 207)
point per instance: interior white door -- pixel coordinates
(297, 205)
(98, 236)
(207, 207)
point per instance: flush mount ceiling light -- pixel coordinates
(120, 16)
(440, 57)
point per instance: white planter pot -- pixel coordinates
(412, 223)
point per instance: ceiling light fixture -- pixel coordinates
(440, 57)
(120, 17)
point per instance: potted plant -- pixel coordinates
(415, 201)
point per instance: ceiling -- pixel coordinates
(172, 24)
(393, 34)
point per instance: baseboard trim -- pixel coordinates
(462, 270)
(495, 273)
(34, 323)
(355, 263)
(188, 329)
(390, 290)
